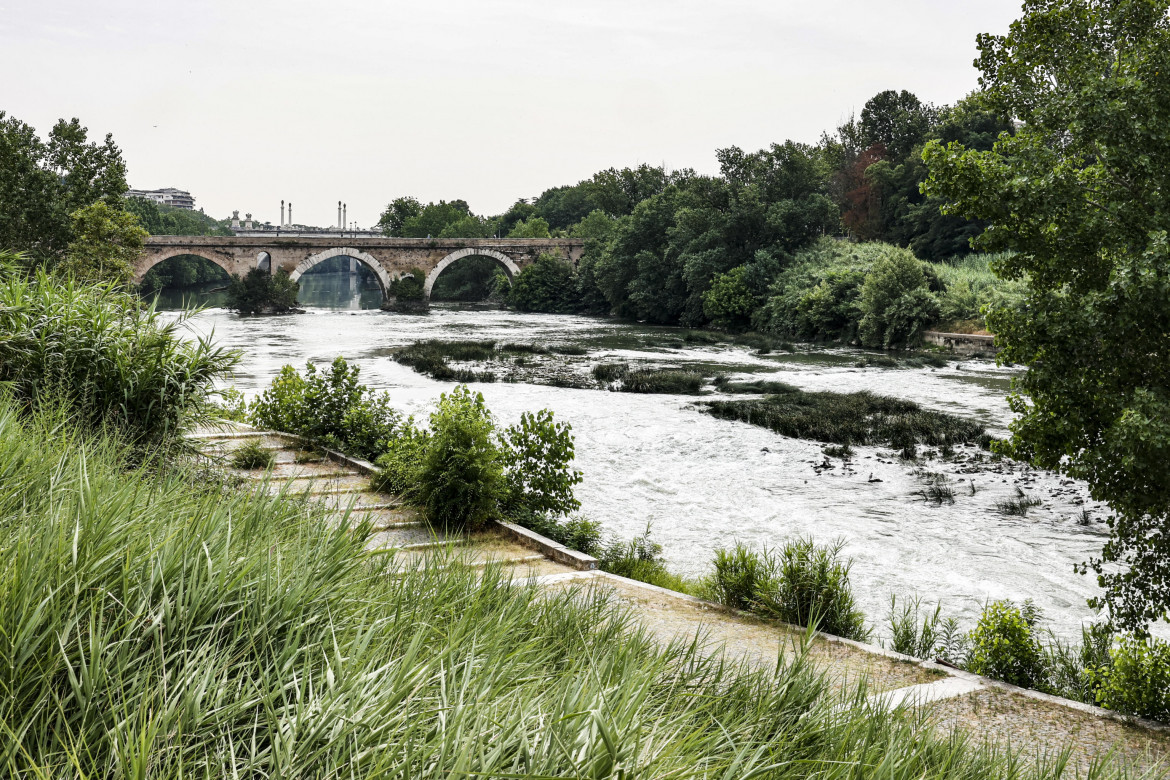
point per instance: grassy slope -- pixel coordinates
(158, 625)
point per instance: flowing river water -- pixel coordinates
(701, 483)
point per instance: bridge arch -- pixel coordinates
(508, 263)
(163, 256)
(367, 260)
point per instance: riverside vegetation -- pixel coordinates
(159, 620)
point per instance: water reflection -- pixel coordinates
(342, 291)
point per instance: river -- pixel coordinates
(701, 483)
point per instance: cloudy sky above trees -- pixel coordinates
(249, 102)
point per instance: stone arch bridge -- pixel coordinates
(388, 258)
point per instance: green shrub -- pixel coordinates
(261, 292)
(741, 575)
(548, 285)
(896, 303)
(108, 359)
(1004, 646)
(1137, 682)
(575, 532)
(461, 481)
(640, 559)
(231, 407)
(400, 465)
(728, 303)
(253, 455)
(330, 408)
(408, 287)
(816, 295)
(538, 452)
(812, 587)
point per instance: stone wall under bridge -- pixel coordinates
(388, 258)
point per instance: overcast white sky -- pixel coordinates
(249, 102)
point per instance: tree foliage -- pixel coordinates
(1079, 193)
(548, 285)
(261, 292)
(44, 182)
(106, 243)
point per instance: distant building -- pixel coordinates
(169, 196)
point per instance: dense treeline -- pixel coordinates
(676, 247)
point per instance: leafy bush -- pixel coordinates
(261, 292)
(816, 295)
(231, 407)
(896, 303)
(1137, 682)
(400, 465)
(330, 408)
(253, 455)
(728, 303)
(539, 452)
(465, 471)
(461, 479)
(812, 586)
(801, 583)
(108, 359)
(576, 533)
(548, 285)
(1004, 645)
(409, 287)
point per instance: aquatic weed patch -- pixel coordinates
(431, 358)
(848, 418)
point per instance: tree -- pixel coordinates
(729, 302)
(548, 285)
(898, 121)
(42, 183)
(105, 244)
(896, 302)
(1079, 192)
(260, 292)
(533, 227)
(394, 217)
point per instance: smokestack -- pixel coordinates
(340, 224)
(290, 222)
(282, 222)
(344, 214)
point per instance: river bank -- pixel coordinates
(703, 483)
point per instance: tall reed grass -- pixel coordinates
(157, 625)
(112, 360)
